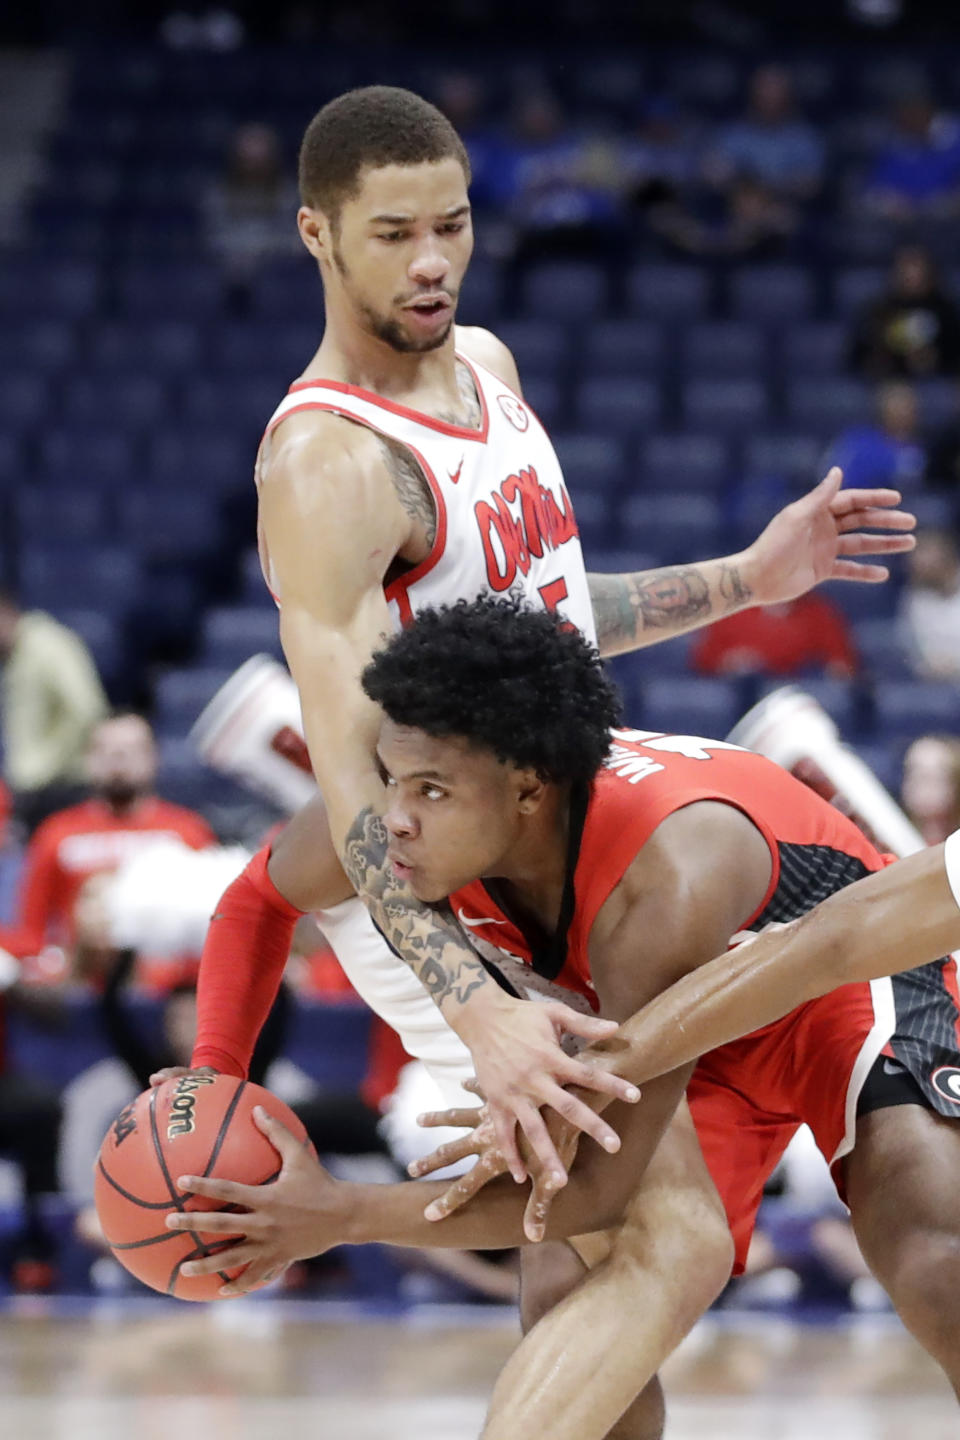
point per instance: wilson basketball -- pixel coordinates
(197, 1125)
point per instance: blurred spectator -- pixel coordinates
(912, 330)
(250, 211)
(771, 143)
(754, 224)
(659, 161)
(930, 788)
(462, 98)
(917, 173)
(943, 465)
(95, 836)
(804, 634)
(563, 190)
(50, 698)
(930, 607)
(891, 450)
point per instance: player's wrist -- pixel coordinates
(471, 1018)
(752, 584)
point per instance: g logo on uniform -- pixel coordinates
(946, 1082)
(514, 411)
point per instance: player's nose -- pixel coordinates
(429, 266)
(398, 821)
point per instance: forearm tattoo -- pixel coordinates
(671, 600)
(428, 939)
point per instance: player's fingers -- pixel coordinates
(868, 519)
(860, 544)
(474, 1087)
(467, 1119)
(171, 1072)
(448, 1154)
(595, 1077)
(538, 1207)
(823, 494)
(286, 1145)
(211, 1222)
(589, 1026)
(238, 1254)
(226, 1190)
(858, 570)
(541, 1143)
(581, 1117)
(252, 1278)
(464, 1188)
(505, 1134)
(861, 498)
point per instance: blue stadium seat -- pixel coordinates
(655, 662)
(705, 81)
(728, 348)
(908, 708)
(24, 400)
(826, 406)
(170, 524)
(202, 455)
(865, 602)
(675, 527)
(234, 402)
(818, 348)
(855, 287)
(87, 455)
(180, 695)
(885, 759)
(935, 510)
(595, 522)
(482, 295)
(184, 289)
(880, 647)
(289, 290)
(772, 292)
(793, 458)
(623, 347)
(727, 406)
(61, 513)
(106, 397)
(565, 290)
(545, 398)
(684, 462)
(232, 633)
(39, 286)
(620, 405)
(668, 292)
(284, 347)
(73, 577)
(45, 346)
(939, 403)
(253, 587)
(171, 348)
(13, 467)
(104, 638)
(540, 347)
(184, 779)
(694, 705)
(590, 463)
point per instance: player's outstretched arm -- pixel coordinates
(332, 521)
(817, 538)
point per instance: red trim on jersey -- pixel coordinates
(952, 983)
(463, 432)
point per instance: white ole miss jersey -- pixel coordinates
(505, 523)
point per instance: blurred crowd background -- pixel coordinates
(723, 248)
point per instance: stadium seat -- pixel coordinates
(690, 705)
(939, 403)
(590, 463)
(730, 348)
(623, 406)
(623, 347)
(793, 458)
(595, 521)
(204, 456)
(105, 397)
(233, 401)
(826, 406)
(684, 462)
(44, 346)
(65, 513)
(880, 648)
(64, 577)
(675, 527)
(25, 400)
(184, 289)
(104, 638)
(565, 290)
(540, 347)
(180, 695)
(87, 455)
(43, 287)
(908, 708)
(856, 287)
(289, 290)
(668, 292)
(482, 295)
(232, 633)
(171, 348)
(264, 345)
(818, 348)
(772, 293)
(170, 524)
(253, 587)
(727, 406)
(545, 398)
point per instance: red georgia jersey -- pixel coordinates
(649, 775)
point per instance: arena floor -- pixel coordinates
(263, 1371)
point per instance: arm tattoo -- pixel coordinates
(733, 588)
(626, 605)
(412, 489)
(428, 939)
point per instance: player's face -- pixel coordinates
(452, 810)
(399, 253)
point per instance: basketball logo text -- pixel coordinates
(182, 1119)
(125, 1123)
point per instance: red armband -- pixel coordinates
(243, 961)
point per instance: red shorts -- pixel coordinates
(749, 1098)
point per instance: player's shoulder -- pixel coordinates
(72, 820)
(488, 350)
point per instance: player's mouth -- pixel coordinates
(401, 868)
(429, 311)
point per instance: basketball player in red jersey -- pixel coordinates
(612, 874)
(403, 469)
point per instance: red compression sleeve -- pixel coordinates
(243, 960)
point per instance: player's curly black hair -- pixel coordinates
(365, 129)
(507, 678)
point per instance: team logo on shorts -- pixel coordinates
(946, 1082)
(514, 411)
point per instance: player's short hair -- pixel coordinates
(364, 130)
(517, 681)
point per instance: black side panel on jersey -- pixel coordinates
(808, 874)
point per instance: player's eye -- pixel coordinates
(432, 792)
(453, 227)
(392, 236)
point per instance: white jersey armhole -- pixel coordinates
(951, 860)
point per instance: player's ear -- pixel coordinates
(530, 791)
(314, 230)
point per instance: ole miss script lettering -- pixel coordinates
(524, 521)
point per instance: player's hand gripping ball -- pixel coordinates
(195, 1125)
